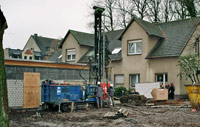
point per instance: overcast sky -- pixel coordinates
(47, 18)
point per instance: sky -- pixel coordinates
(47, 18)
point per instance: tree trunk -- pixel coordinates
(4, 113)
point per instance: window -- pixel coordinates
(37, 58)
(25, 57)
(134, 78)
(30, 57)
(119, 79)
(162, 78)
(16, 56)
(70, 56)
(196, 46)
(135, 47)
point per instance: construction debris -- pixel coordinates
(111, 115)
(137, 100)
(169, 102)
(122, 112)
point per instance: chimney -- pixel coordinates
(35, 37)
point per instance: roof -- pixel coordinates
(90, 53)
(85, 57)
(56, 55)
(12, 52)
(42, 63)
(150, 28)
(44, 42)
(177, 34)
(173, 37)
(82, 38)
(38, 54)
(116, 57)
(111, 39)
(18, 52)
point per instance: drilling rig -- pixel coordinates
(99, 61)
(98, 45)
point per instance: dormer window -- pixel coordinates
(70, 56)
(134, 47)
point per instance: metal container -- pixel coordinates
(194, 95)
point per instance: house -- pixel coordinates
(78, 46)
(142, 52)
(20, 54)
(40, 48)
(29, 54)
(149, 52)
(12, 53)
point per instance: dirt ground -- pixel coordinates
(139, 116)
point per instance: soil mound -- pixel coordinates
(137, 100)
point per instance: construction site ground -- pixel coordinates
(138, 116)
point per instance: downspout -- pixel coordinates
(147, 76)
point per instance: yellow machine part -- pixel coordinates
(194, 95)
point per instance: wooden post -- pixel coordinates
(72, 107)
(4, 113)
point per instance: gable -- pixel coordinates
(134, 31)
(70, 42)
(84, 39)
(28, 52)
(150, 28)
(31, 44)
(190, 46)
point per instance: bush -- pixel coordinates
(119, 91)
(129, 91)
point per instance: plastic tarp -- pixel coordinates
(146, 88)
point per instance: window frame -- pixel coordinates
(71, 55)
(119, 84)
(137, 76)
(134, 42)
(164, 77)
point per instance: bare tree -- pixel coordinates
(119, 12)
(167, 11)
(141, 7)
(190, 6)
(154, 9)
(4, 113)
(124, 12)
(180, 9)
(197, 6)
(109, 13)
